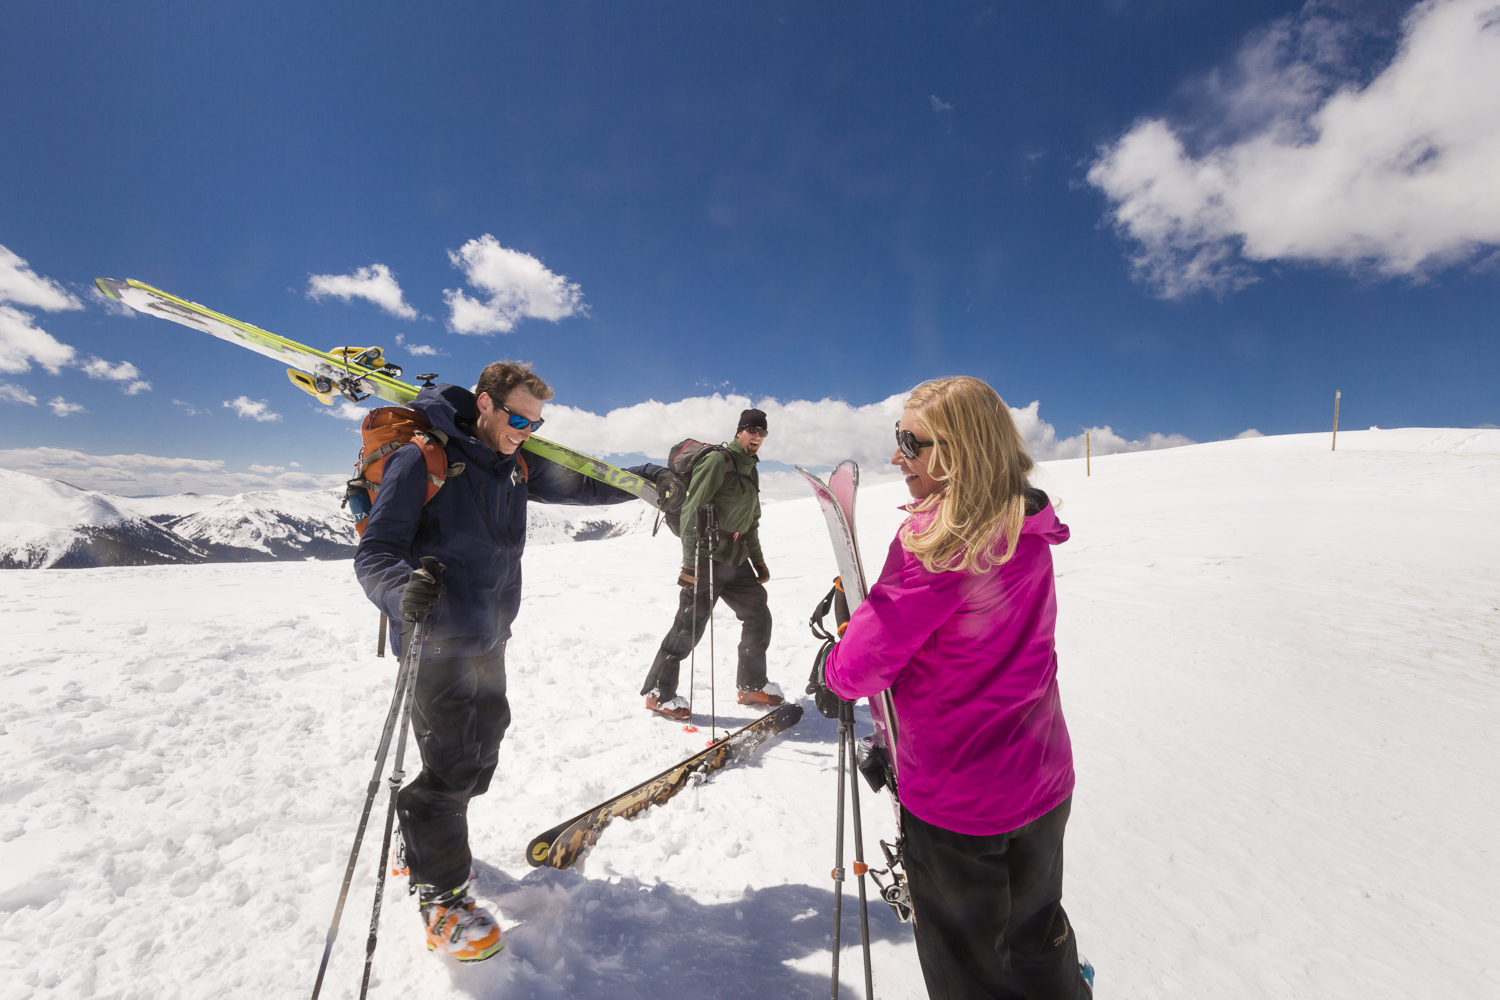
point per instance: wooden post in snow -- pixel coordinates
(1336, 395)
(1087, 458)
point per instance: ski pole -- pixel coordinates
(713, 697)
(397, 700)
(846, 720)
(700, 523)
(414, 662)
(838, 862)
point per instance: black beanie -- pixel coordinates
(751, 418)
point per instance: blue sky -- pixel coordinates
(1170, 218)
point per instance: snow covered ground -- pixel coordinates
(1281, 668)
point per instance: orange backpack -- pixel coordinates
(383, 431)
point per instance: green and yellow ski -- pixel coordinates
(355, 373)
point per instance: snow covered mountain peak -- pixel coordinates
(46, 524)
(49, 524)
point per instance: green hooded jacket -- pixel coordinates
(736, 504)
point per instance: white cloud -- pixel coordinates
(122, 371)
(803, 432)
(415, 350)
(1250, 433)
(375, 283)
(21, 285)
(21, 343)
(1394, 176)
(153, 475)
(267, 470)
(250, 409)
(62, 408)
(16, 394)
(517, 284)
(295, 465)
(342, 409)
(938, 104)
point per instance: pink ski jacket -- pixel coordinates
(970, 657)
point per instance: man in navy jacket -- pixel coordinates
(475, 525)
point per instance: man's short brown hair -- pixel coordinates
(501, 377)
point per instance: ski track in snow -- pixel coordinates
(1280, 667)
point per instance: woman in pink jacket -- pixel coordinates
(960, 627)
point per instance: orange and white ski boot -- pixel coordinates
(672, 708)
(770, 695)
(458, 926)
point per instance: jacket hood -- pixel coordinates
(1041, 517)
(742, 459)
(453, 410)
(1045, 523)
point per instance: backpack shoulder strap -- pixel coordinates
(731, 467)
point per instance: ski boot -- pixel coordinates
(1086, 970)
(673, 708)
(458, 926)
(769, 695)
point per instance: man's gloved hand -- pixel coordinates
(423, 590)
(670, 490)
(840, 606)
(687, 578)
(761, 573)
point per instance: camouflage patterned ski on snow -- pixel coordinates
(565, 843)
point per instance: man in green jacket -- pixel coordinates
(734, 569)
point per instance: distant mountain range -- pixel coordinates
(49, 524)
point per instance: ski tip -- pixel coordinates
(110, 288)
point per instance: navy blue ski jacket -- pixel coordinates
(475, 525)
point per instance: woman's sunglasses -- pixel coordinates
(519, 422)
(908, 443)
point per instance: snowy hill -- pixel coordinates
(49, 524)
(1280, 667)
(45, 524)
(165, 510)
(549, 524)
(279, 524)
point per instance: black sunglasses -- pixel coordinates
(908, 443)
(519, 422)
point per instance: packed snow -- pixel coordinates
(1280, 666)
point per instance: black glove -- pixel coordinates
(761, 573)
(840, 605)
(828, 703)
(687, 578)
(670, 491)
(423, 590)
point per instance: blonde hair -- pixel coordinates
(981, 461)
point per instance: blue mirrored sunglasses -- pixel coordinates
(519, 422)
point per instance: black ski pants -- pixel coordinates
(746, 598)
(989, 918)
(460, 714)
